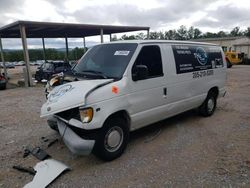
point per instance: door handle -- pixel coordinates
(165, 91)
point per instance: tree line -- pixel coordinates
(50, 54)
(184, 33)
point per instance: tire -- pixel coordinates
(209, 105)
(229, 65)
(3, 86)
(38, 78)
(52, 123)
(112, 140)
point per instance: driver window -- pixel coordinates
(150, 56)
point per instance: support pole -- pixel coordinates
(248, 51)
(44, 53)
(2, 56)
(26, 54)
(101, 33)
(148, 34)
(67, 48)
(110, 37)
(84, 45)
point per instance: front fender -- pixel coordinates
(103, 109)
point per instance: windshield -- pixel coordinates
(107, 60)
(47, 67)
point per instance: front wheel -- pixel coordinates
(52, 123)
(112, 140)
(209, 105)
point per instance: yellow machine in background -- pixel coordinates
(232, 57)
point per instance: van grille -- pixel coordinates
(69, 114)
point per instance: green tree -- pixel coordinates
(140, 36)
(182, 33)
(247, 32)
(235, 32)
(190, 32)
(197, 33)
(114, 38)
(154, 35)
(125, 37)
(170, 35)
(222, 34)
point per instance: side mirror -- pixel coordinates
(139, 72)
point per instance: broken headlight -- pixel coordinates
(86, 114)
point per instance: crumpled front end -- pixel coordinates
(74, 141)
(70, 95)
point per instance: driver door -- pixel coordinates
(147, 95)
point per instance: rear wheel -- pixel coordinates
(3, 86)
(209, 105)
(112, 140)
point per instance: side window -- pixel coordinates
(60, 69)
(149, 57)
(224, 48)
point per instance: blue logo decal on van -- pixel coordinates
(201, 56)
(58, 92)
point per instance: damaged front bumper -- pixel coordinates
(74, 142)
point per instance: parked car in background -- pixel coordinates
(8, 65)
(40, 62)
(2, 81)
(20, 63)
(46, 70)
(33, 63)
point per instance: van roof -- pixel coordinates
(163, 41)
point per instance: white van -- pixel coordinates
(119, 87)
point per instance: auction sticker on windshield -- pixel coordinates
(121, 52)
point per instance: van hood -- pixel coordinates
(70, 95)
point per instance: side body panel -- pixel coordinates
(184, 92)
(144, 100)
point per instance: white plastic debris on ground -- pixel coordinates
(46, 172)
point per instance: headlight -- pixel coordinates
(54, 81)
(86, 114)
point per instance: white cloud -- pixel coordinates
(212, 15)
(72, 6)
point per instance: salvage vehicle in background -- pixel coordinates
(47, 69)
(20, 63)
(3, 81)
(119, 87)
(8, 65)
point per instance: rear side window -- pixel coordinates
(48, 66)
(196, 58)
(150, 56)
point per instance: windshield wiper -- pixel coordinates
(98, 73)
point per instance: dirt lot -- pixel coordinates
(183, 151)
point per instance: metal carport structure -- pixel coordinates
(31, 29)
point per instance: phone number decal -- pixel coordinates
(204, 73)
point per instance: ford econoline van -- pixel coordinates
(119, 87)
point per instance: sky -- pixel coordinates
(159, 15)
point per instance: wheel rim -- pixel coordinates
(210, 105)
(113, 139)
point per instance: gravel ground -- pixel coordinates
(184, 151)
